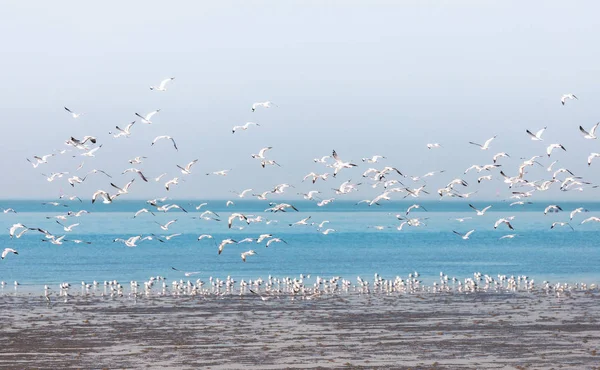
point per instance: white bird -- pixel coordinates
(107, 197)
(591, 134)
(590, 219)
(325, 202)
(503, 221)
(552, 208)
(219, 173)
(174, 181)
(90, 153)
(137, 160)
(169, 237)
(73, 114)
(248, 253)
(304, 221)
(165, 227)
(564, 98)
(188, 167)
(485, 145)
(157, 179)
(6, 251)
(538, 135)
(67, 228)
(243, 127)
(414, 206)
(576, 211)
(143, 210)
(269, 162)
(509, 236)
(463, 219)
(229, 203)
(148, 117)
(40, 160)
(163, 84)
(242, 193)
(433, 145)
(123, 132)
(205, 236)
(327, 231)
(136, 171)
(266, 104)
(224, 243)
(554, 224)
(549, 169)
(465, 236)
(13, 229)
(237, 216)
(261, 153)
(310, 195)
(554, 146)
(124, 189)
(591, 157)
(263, 237)
(131, 242)
(201, 205)
(164, 137)
(339, 164)
(8, 210)
(480, 179)
(275, 240)
(373, 159)
(323, 159)
(498, 155)
(482, 212)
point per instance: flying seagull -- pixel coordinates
(148, 116)
(163, 84)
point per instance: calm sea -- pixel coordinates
(355, 248)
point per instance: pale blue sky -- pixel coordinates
(364, 78)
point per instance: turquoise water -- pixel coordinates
(354, 249)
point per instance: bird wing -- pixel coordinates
(539, 133)
(164, 82)
(149, 115)
(488, 141)
(470, 142)
(469, 233)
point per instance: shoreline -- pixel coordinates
(480, 330)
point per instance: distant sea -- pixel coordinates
(354, 249)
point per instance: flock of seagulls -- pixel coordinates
(391, 181)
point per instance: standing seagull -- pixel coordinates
(163, 84)
(148, 116)
(73, 114)
(266, 104)
(538, 135)
(564, 98)
(485, 145)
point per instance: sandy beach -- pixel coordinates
(524, 330)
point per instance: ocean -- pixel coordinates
(354, 249)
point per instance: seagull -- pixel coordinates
(463, 219)
(482, 212)
(8, 210)
(165, 227)
(136, 171)
(266, 104)
(219, 173)
(498, 155)
(503, 221)
(143, 210)
(164, 137)
(519, 203)
(67, 228)
(414, 206)
(433, 146)
(169, 237)
(6, 251)
(327, 231)
(124, 189)
(465, 236)
(479, 179)
(325, 202)
(552, 208)
(123, 132)
(485, 145)
(40, 160)
(248, 253)
(564, 98)
(246, 240)
(242, 193)
(205, 236)
(269, 162)
(591, 134)
(509, 236)
(554, 224)
(281, 207)
(137, 160)
(73, 114)
(549, 169)
(310, 195)
(373, 159)
(538, 135)
(261, 153)
(157, 179)
(591, 157)
(243, 127)
(576, 211)
(94, 171)
(589, 219)
(238, 216)
(188, 167)
(167, 207)
(174, 181)
(201, 205)
(90, 153)
(148, 116)
(339, 164)
(163, 84)
(322, 159)
(263, 237)
(304, 221)
(224, 243)
(275, 240)
(107, 197)
(229, 203)
(131, 242)
(16, 227)
(554, 146)
(191, 273)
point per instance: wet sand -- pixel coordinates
(400, 331)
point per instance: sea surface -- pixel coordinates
(356, 248)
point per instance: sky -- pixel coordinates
(360, 77)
